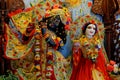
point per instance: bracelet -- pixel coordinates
(46, 35)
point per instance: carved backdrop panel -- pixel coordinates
(13, 5)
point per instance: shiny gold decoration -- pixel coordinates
(74, 3)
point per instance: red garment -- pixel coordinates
(83, 71)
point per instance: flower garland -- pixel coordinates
(13, 48)
(90, 47)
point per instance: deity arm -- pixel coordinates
(53, 40)
(47, 37)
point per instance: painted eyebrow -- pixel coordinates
(89, 26)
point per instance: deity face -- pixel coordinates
(54, 21)
(90, 30)
(55, 25)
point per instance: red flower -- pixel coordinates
(88, 16)
(112, 62)
(67, 27)
(47, 14)
(69, 19)
(60, 2)
(82, 20)
(92, 21)
(110, 67)
(48, 8)
(72, 36)
(75, 22)
(48, 4)
(27, 65)
(39, 17)
(89, 4)
(39, 5)
(63, 70)
(59, 59)
(54, 1)
(56, 6)
(37, 12)
(74, 29)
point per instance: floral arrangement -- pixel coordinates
(113, 67)
(114, 70)
(91, 47)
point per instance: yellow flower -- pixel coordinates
(37, 67)
(49, 53)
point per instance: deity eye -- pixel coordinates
(94, 28)
(89, 27)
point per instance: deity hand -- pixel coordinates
(42, 24)
(30, 27)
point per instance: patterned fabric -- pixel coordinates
(31, 66)
(14, 49)
(42, 62)
(53, 66)
(19, 34)
(96, 73)
(23, 46)
(21, 18)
